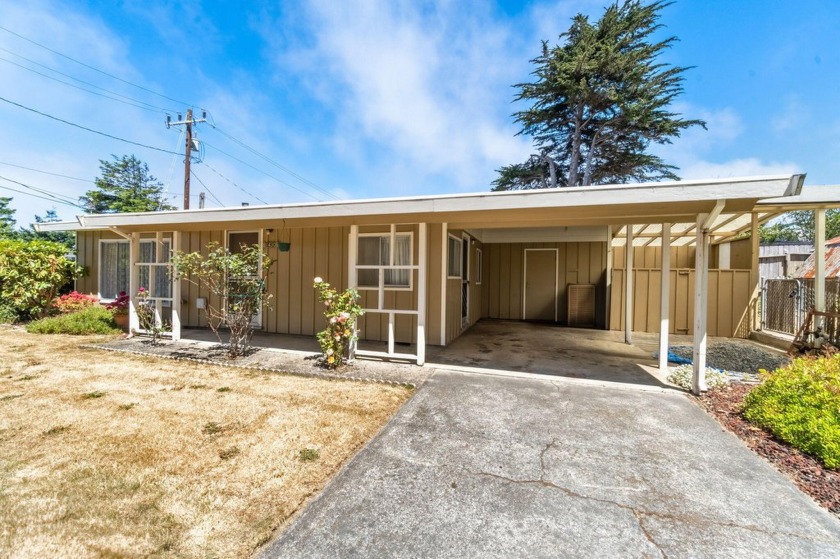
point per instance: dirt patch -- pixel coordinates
(104, 454)
(725, 404)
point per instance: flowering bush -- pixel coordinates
(683, 375)
(341, 311)
(119, 305)
(146, 316)
(74, 302)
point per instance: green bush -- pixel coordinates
(92, 320)
(800, 404)
(31, 274)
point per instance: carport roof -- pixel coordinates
(677, 202)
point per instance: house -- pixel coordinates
(429, 267)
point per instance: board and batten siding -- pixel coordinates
(729, 299)
(578, 262)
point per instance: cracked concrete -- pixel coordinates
(479, 466)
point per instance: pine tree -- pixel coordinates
(7, 218)
(125, 185)
(601, 97)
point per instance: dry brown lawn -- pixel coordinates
(111, 455)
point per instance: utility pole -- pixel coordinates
(188, 149)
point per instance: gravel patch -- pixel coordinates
(736, 356)
(289, 362)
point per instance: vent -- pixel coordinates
(581, 305)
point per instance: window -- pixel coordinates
(375, 250)
(454, 268)
(478, 266)
(115, 270)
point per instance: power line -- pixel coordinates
(275, 163)
(55, 195)
(95, 69)
(234, 184)
(48, 197)
(85, 128)
(47, 172)
(260, 171)
(210, 192)
(114, 96)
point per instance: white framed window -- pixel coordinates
(454, 268)
(374, 249)
(115, 268)
(478, 266)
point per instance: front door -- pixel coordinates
(236, 241)
(540, 285)
(465, 282)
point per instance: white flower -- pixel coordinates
(330, 352)
(318, 280)
(333, 320)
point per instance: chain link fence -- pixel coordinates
(786, 302)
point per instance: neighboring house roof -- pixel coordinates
(729, 203)
(832, 261)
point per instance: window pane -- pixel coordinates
(454, 267)
(237, 240)
(113, 270)
(369, 251)
(402, 257)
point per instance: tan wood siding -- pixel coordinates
(651, 257)
(502, 296)
(729, 298)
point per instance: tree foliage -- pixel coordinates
(777, 233)
(32, 273)
(238, 282)
(67, 238)
(125, 186)
(7, 218)
(600, 98)
(803, 223)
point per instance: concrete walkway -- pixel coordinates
(483, 466)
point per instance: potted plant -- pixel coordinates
(119, 308)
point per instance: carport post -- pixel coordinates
(133, 283)
(628, 286)
(175, 290)
(819, 264)
(422, 278)
(665, 297)
(701, 280)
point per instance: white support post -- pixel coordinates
(664, 303)
(628, 286)
(819, 264)
(352, 278)
(421, 295)
(175, 289)
(608, 305)
(390, 333)
(443, 274)
(701, 275)
(153, 272)
(133, 282)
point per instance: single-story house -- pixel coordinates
(429, 267)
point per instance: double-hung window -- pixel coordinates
(375, 250)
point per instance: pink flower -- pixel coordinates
(142, 289)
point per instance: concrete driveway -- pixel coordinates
(483, 466)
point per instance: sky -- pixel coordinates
(315, 101)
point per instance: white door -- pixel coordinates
(236, 241)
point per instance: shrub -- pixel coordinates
(8, 314)
(800, 404)
(341, 311)
(31, 274)
(120, 304)
(682, 375)
(91, 320)
(74, 302)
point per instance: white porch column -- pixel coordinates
(665, 300)
(819, 264)
(352, 277)
(701, 275)
(444, 263)
(133, 282)
(422, 278)
(176, 289)
(628, 286)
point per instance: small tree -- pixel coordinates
(32, 273)
(125, 186)
(341, 311)
(238, 282)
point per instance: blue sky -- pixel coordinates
(384, 98)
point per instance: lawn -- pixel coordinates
(111, 455)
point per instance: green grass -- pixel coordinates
(92, 320)
(800, 404)
(309, 454)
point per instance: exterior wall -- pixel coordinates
(582, 262)
(651, 257)
(728, 301)
(87, 255)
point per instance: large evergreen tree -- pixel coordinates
(7, 218)
(125, 185)
(601, 97)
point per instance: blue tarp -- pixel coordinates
(672, 358)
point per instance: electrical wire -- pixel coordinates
(37, 196)
(46, 172)
(95, 69)
(56, 195)
(269, 175)
(114, 96)
(86, 128)
(201, 182)
(234, 184)
(44, 195)
(275, 163)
